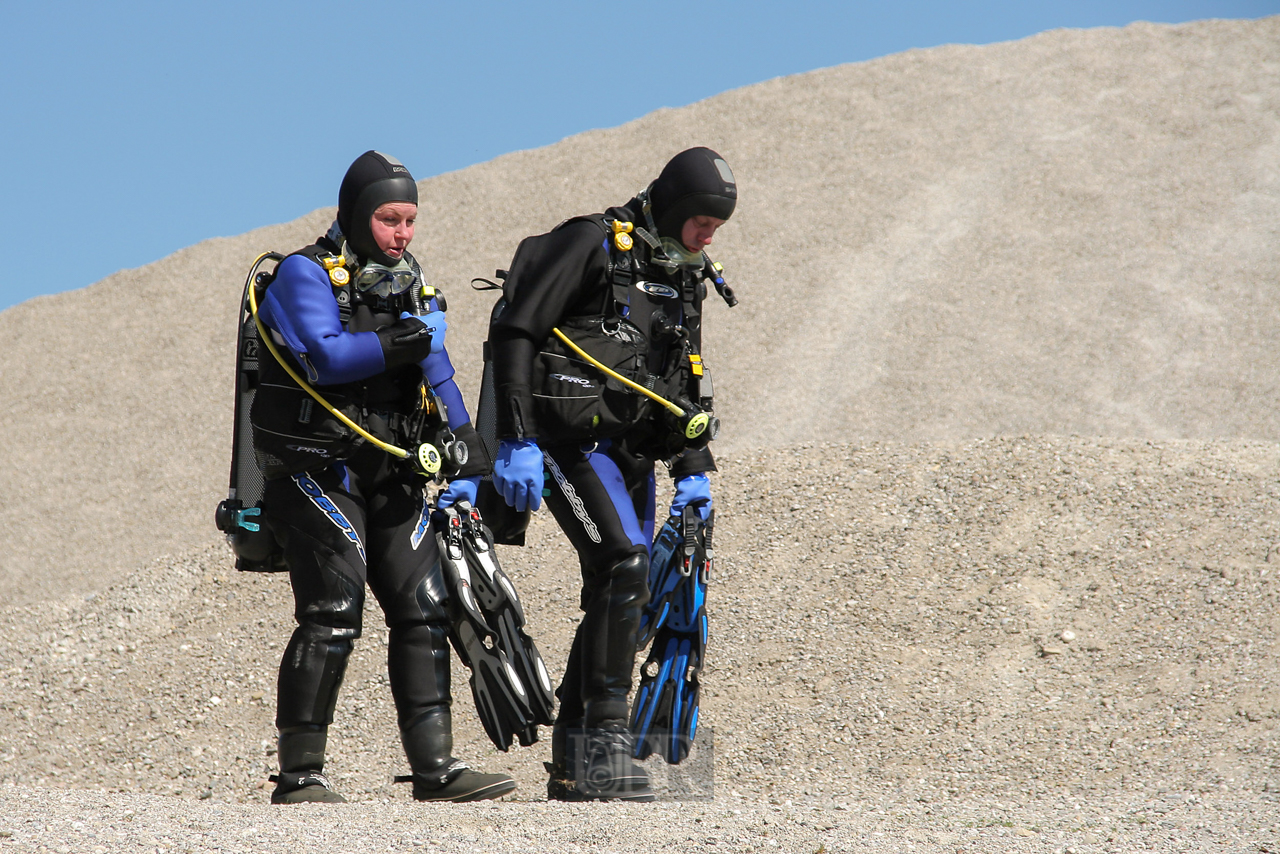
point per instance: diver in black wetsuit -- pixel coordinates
(352, 316)
(627, 286)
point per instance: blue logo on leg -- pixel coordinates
(313, 491)
(424, 524)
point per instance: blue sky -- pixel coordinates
(133, 129)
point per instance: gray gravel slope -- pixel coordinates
(1073, 233)
(940, 619)
(944, 643)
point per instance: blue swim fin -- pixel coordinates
(664, 715)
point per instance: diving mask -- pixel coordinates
(682, 257)
(384, 281)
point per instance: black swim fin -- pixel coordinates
(501, 606)
(509, 680)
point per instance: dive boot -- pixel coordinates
(304, 787)
(559, 780)
(301, 779)
(559, 783)
(599, 767)
(458, 783)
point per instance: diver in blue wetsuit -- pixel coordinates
(626, 287)
(354, 318)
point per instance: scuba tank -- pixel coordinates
(240, 515)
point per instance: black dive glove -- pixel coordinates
(411, 339)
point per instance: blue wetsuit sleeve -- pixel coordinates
(437, 368)
(452, 397)
(300, 306)
(438, 371)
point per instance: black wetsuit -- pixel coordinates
(600, 492)
(361, 520)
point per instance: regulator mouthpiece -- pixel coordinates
(231, 516)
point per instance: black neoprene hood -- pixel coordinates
(373, 180)
(696, 182)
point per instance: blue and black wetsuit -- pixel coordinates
(601, 492)
(361, 519)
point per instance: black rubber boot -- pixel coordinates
(306, 787)
(591, 747)
(563, 756)
(437, 775)
(613, 600)
(598, 766)
(608, 769)
(458, 783)
(301, 779)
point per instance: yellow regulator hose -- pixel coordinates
(671, 407)
(265, 337)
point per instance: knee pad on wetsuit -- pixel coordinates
(431, 596)
(622, 579)
(311, 673)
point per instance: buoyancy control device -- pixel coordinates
(331, 431)
(597, 377)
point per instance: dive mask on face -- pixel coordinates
(385, 281)
(683, 258)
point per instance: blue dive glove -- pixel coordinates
(695, 490)
(518, 473)
(436, 325)
(460, 489)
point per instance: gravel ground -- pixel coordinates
(1039, 640)
(996, 567)
(86, 822)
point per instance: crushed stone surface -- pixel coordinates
(999, 517)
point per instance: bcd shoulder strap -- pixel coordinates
(340, 272)
(623, 267)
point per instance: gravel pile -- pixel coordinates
(999, 521)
